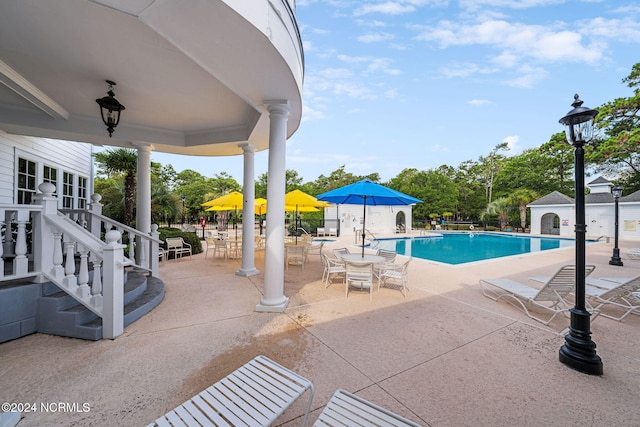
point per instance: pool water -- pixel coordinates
(460, 248)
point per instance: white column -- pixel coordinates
(143, 188)
(248, 213)
(273, 299)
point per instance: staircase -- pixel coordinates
(60, 314)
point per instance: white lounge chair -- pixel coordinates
(253, 395)
(550, 297)
(631, 254)
(618, 292)
(348, 410)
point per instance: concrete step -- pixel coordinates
(60, 314)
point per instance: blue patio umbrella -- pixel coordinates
(367, 193)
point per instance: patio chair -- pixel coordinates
(333, 232)
(178, 247)
(294, 254)
(255, 394)
(395, 273)
(221, 247)
(320, 232)
(618, 292)
(211, 244)
(313, 249)
(340, 251)
(360, 276)
(389, 258)
(347, 409)
(551, 297)
(332, 266)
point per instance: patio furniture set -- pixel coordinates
(258, 392)
(359, 270)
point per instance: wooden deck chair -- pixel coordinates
(255, 394)
(348, 410)
(551, 297)
(618, 292)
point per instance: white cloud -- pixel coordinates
(387, 8)
(512, 143)
(528, 77)
(516, 40)
(464, 70)
(375, 37)
(437, 148)
(479, 102)
(336, 73)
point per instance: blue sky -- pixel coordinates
(397, 84)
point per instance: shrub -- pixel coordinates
(189, 237)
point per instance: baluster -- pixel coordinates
(57, 270)
(69, 266)
(96, 285)
(132, 247)
(142, 253)
(83, 275)
(8, 235)
(20, 262)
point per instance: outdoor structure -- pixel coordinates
(554, 213)
(216, 78)
(380, 219)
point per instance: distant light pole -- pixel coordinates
(579, 351)
(183, 199)
(615, 259)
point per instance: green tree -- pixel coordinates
(491, 165)
(616, 148)
(501, 208)
(121, 161)
(521, 198)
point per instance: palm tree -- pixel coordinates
(500, 208)
(521, 198)
(121, 161)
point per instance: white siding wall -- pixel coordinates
(66, 156)
(380, 219)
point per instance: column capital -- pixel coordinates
(248, 148)
(277, 106)
(144, 146)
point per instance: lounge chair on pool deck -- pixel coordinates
(631, 254)
(619, 292)
(346, 409)
(253, 395)
(550, 297)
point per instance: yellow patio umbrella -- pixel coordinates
(232, 201)
(299, 201)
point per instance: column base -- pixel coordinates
(272, 307)
(247, 272)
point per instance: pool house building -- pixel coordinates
(555, 213)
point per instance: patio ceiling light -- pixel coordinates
(110, 109)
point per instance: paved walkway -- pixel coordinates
(443, 356)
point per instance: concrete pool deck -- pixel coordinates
(443, 356)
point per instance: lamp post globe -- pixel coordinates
(615, 258)
(579, 351)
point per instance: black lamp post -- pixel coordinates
(183, 199)
(615, 258)
(579, 351)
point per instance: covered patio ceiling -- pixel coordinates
(193, 76)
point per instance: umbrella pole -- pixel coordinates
(364, 222)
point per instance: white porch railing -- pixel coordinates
(55, 242)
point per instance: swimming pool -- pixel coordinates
(459, 248)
